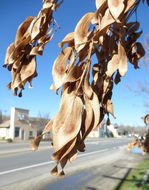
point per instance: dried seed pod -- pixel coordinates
(146, 119)
(84, 99)
(31, 37)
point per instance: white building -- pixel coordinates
(104, 130)
(18, 127)
(4, 129)
(113, 130)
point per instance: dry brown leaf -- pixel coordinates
(69, 38)
(117, 78)
(52, 87)
(99, 3)
(113, 65)
(95, 70)
(22, 30)
(9, 51)
(72, 155)
(28, 69)
(54, 171)
(36, 28)
(83, 53)
(43, 39)
(105, 86)
(48, 127)
(146, 119)
(71, 62)
(88, 118)
(61, 174)
(73, 74)
(47, 4)
(19, 50)
(16, 81)
(123, 65)
(59, 155)
(98, 83)
(80, 146)
(68, 120)
(35, 143)
(87, 87)
(106, 20)
(30, 79)
(81, 31)
(129, 5)
(96, 109)
(132, 27)
(59, 67)
(139, 50)
(116, 7)
(17, 64)
(35, 51)
(109, 108)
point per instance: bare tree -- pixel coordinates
(43, 118)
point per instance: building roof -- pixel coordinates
(20, 109)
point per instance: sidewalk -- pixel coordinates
(101, 174)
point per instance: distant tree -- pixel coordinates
(43, 118)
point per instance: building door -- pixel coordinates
(17, 131)
(22, 135)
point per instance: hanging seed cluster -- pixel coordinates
(138, 144)
(143, 143)
(87, 87)
(31, 37)
(108, 37)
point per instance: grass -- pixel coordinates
(2, 140)
(6, 140)
(134, 178)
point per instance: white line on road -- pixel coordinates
(89, 153)
(45, 163)
(27, 167)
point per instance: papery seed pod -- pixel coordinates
(146, 119)
(85, 100)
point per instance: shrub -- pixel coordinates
(10, 140)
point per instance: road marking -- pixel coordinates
(14, 154)
(27, 167)
(22, 149)
(89, 153)
(45, 163)
(21, 153)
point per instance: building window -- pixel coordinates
(21, 116)
(17, 130)
(30, 133)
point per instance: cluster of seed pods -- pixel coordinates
(86, 86)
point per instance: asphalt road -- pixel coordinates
(21, 168)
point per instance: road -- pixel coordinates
(22, 169)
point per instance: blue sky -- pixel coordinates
(128, 106)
